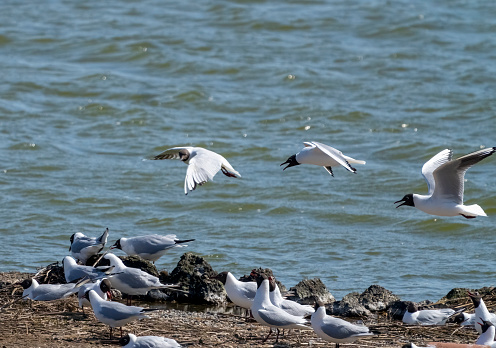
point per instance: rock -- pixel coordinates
(309, 290)
(259, 271)
(374, 299)
(193, 274)
(349, 306)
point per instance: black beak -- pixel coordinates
(70, 248)
(401, 200)
(291, 161)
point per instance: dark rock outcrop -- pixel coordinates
(374, 299)
(193, 275)
(308, 291)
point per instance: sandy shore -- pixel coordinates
(62, 324)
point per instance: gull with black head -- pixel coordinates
(445, 181)
(83, 247)
(321, 155)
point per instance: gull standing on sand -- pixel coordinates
(132, 341)
(48, 292)
(150, 247)
(481, 311)
(413, 316)
(202, 164)
(445, 181)
(83, 247)
(321, 155)
(114, 314)
(132, 281)
(240, 293)
(73, 271)
(101, 287)
(487, 333)
(336, 330)
(267, 314)
(291, 307)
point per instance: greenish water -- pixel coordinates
(89, 89)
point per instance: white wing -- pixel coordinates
(431, 165)
(450, 175)
(203, 165)
(335, 154)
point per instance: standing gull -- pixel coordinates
(202, 164)
(488, 331)
(336, 330)
(83, 247)
(267, 314)
(101, 287)
(114, 314)
(150, 247)
(321, 155)
(132, 281)
(481, 311)
(240, 293)
(445, 182)
(291, 307)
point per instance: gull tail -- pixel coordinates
(472, 211)
(352, 160)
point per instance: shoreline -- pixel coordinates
(62, 324)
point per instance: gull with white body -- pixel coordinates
(487, 333)
(73, 271)
(133, 341)
(202, 164)
(132, 281)
(414, 316)
(480, 311)
(291, 307)
(445, 180)
(114, 314)
(150, 247)
(48, 292)
(267, 314)
(83, 247)
(321, 155)
(101, 287)
(336, 330)
(240, 293)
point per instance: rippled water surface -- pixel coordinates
(90, 89)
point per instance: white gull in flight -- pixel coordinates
(321, 155)
(445, 181)
(202, 164)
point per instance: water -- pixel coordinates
(90, 89)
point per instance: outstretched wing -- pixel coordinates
(203, 166)
(431, 165)
(450, 175)
(172, 153)
(335, 154)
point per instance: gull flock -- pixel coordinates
(445, 180)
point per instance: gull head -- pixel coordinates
(117, 245)
(72, 241)
(406, 200)
(291, 161)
